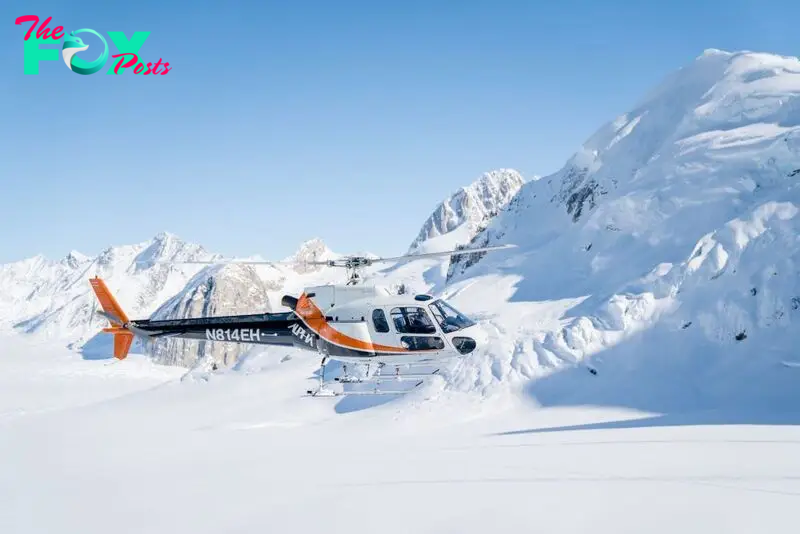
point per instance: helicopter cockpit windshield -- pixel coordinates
(450, 319)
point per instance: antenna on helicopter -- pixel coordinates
(354, 265)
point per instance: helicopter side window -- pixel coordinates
(422, 342)
(379, 320)
(412, 320)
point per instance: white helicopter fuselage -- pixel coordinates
(365, 324)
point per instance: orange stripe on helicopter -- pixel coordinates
(313, 317)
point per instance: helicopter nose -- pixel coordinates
(479, 334)
(469, 339)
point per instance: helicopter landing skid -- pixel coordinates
(328, 392)
(372, 385)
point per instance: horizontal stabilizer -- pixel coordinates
(110, 317)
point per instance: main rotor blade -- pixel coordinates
(409, 257)
(246, 262)
(344, 261)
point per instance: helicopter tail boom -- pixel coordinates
(263, 328)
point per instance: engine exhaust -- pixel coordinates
(289, 301)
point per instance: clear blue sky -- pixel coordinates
(346, 120)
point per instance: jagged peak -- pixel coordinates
(470, 207)
(166, 246)
(502, 172)
(490, 179)
(311, 249)
(314, 242)
(75, 259)
(708, 52)
(166, 236)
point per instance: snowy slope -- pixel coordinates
(676, 231)
(457, 219)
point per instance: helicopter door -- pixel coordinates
(414, 329)
(379, 329)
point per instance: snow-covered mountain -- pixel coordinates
(673, 233)
(54, 299)
(457, 219)
(312, 250)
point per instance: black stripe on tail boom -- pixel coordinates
(264, 328)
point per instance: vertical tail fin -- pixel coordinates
(123, 338)
(122, 344)
(107, 301)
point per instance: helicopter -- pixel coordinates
(351, 323)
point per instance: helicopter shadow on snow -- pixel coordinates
(98, 347)
(101, 347)
(362, 402)
(680, 377)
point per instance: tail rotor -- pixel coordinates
(123, 337)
